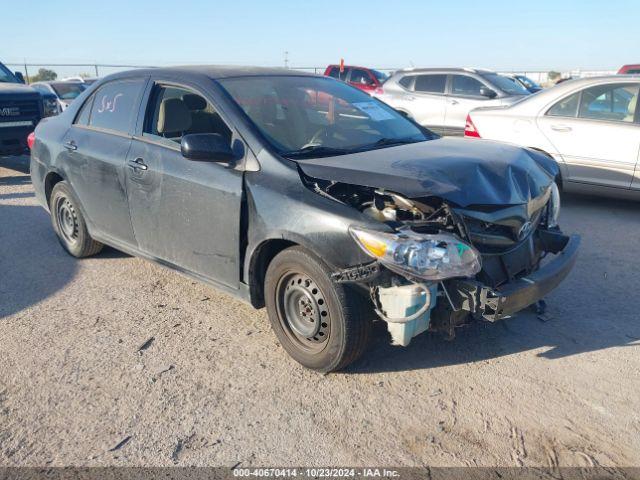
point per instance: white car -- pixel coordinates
(590, 126)
(65, 92)
(441, 98)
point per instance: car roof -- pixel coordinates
(444, 69)
(350, 66)
(213, 71)
(532, 104)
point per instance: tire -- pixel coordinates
(69, 224)
(320, 323)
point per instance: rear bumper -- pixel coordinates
(494, 304)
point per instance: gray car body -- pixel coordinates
(444, 113)
(227, 228)
(222, 223)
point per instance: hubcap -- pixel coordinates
(67, 220)
(303, 311)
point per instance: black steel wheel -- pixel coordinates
(69, 224)
(321, 324)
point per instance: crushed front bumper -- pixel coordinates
(496, 303)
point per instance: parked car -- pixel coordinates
(21, 108)
(590, 126)
(86, 80)
(629, 69)
(440, 99)
(238, 177)
(64, 92)
(366, 79)
(526, 82)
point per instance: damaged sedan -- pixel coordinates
(303, 195)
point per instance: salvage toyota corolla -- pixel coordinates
(304, 195)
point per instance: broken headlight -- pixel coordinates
(430, 257)
(554, 206)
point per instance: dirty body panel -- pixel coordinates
(427, 232)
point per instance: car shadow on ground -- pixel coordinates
(33, 265)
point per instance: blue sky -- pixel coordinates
(547, 34)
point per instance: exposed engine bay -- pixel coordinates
(443, 265)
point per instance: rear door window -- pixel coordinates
(609, 102)
(431, 83)
(333, 72)
(567, 107)
(85, 112)
(465, 86)
(115, 105)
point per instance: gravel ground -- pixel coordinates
(116, 361)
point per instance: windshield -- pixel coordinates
(6, 76)
(527, 82)
(380, 76)
(319, 116)
(507, 85)
(67, 90)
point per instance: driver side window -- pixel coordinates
(177, 111)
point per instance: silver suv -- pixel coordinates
(441, 98)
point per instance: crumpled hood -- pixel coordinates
(462, 171)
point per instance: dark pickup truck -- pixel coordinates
(21, 108)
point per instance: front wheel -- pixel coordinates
(320, 323)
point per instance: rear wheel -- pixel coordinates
(321, 324)
(69, 224)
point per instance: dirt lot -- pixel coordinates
(115, 361)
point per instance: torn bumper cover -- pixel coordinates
(496, 303)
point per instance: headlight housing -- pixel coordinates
(425, 256)
(554, 206)
(50, 105)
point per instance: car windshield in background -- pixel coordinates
(380, 76)
(527, 82)
(68, 90)
(6, 76)
(505, 84)
(305, 117)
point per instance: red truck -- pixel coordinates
(366, 79)
(633, 68)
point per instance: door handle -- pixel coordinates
(70, 145)
(561, 128)
(409, 98)
(453, 102)
(138, 164)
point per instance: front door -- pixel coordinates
(596, 134)
(464, 96)
(184, 212)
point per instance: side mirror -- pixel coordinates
(19, 77)
(487, 92)
(211, 147)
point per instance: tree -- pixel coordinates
(43, 75)
(553, 75)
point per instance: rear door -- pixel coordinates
(428, 102)
(596, 132)
(96, 148)
(184, 212)
(462, 97)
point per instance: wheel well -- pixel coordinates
(260, 260)
(49, 182)
(559, 176)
